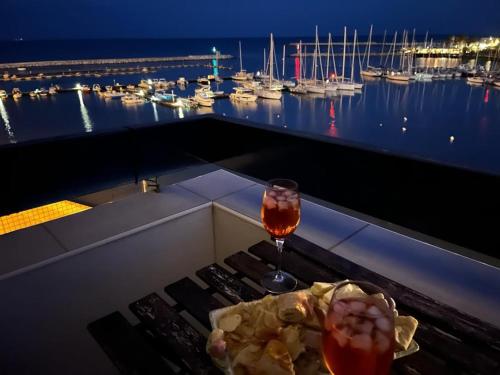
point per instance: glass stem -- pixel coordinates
(279, 245)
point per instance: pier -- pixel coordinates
(133, 60)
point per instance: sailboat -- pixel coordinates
(370, 71)
(316, 86)
(270, 89)
(299, 87)
(330, 86)
(242, 75)
(262, 75)
(343, 84)
(396, 75)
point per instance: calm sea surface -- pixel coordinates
(411, 119)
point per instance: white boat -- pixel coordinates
(422, 76)
(496, 83)
(3, 94)
(6, 77)
(144, 84)
(52, 90)
(476, 80)
(43, 92)
(204, 100)
(16, 93)
(33, 94)
(205, 91)
(96, 87)
(242, 75)
(83, 88)
(242, 95)
(113, 94)
(315, 85)
(345, 85)
(130, 87)
(298, 89)
(269, 89)
(370, 71)
(398, 76)
(203, 81)
(181, 81)
(132, 99)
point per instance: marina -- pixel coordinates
(327, 90)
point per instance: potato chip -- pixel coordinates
(275, 360)
(319, 289)
(230, 322)
(405, 327)
(291, 307)
(291, 337)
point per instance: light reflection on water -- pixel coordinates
(6, 123)
(87, 122)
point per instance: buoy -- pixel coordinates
(405, 119)
(452, 139)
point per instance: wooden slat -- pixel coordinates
(227, 285)
(127, 348)
(177, 336)
(194, 299)
(252, 268)
(294, 263)
(423, 363)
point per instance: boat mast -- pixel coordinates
(265, 62)
(333, 60)
(393, 48)
(241, 61)
(343, 57)
(271, 60)
(284, 49)
(369, 47)
(353, 55)
(383, 48)
(328, 55)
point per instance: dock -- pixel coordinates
(133, 60)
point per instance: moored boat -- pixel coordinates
(476, 80)
(3, 94)
(242, 95)
(203, 100)
(96, 87)
(132, 99)
(16, 93)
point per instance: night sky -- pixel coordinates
(59, 19)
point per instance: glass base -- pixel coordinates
(278, 283)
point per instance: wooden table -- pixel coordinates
(450, 342)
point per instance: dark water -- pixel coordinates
(412, 119)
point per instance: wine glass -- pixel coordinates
(358, 330)
(280, 215)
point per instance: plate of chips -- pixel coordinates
(282, 334)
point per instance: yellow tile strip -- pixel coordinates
(38, 215)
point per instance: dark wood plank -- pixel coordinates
(194, 299)
(455, 322)
(126, 347)
(228, 285)
(294, 263)
(177, 336)
(423, 363)
(252, 268)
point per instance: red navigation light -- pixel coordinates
(487, 95)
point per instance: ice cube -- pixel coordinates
(361, 341)
(365, 327)
(383, 324)
(341, 336)
(351, 321)
(294, 203)
(374, 311)
(332, 320)
(270, 203)
(340, 308)
(357, 306)
(280, 198)
(271, 193)
(282, 205)
(382, 342)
